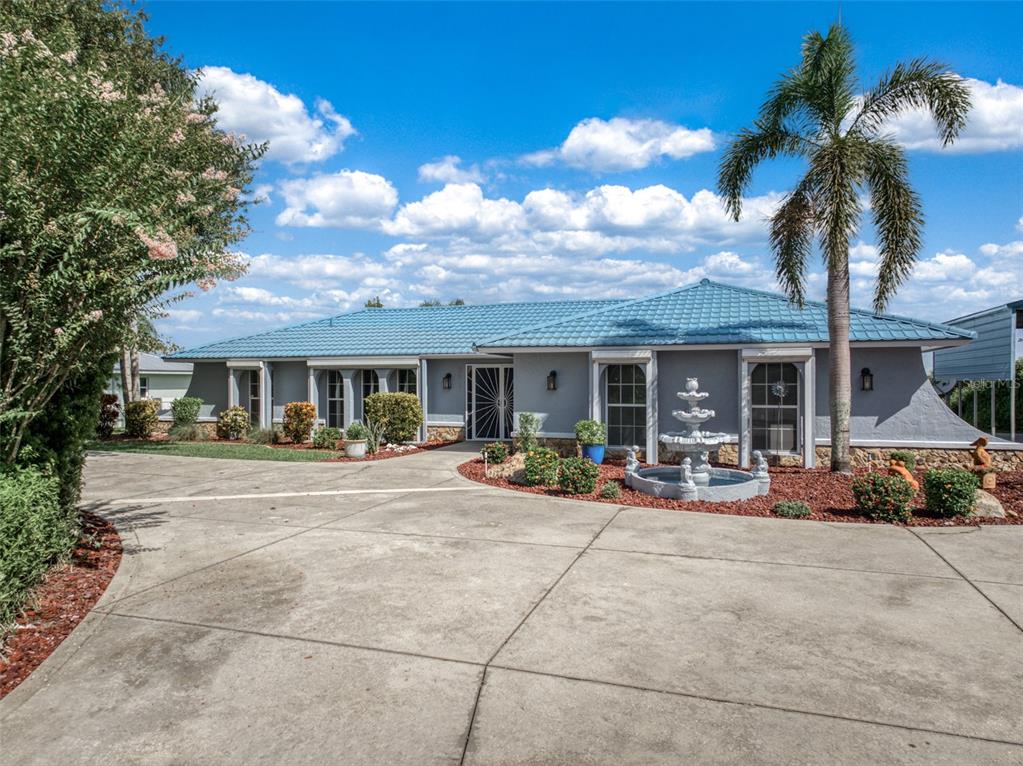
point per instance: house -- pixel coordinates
(161, 379)
(763, 360)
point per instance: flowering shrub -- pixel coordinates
(399, 414)
(577, 475)
(327, 437)
(495, 452)
(140, 418)
(109, 412)
(541, 467)
(298, 420)
(233, 423)
(883, 498)
(950, 491)
(186, 410)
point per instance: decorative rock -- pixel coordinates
(987, 506)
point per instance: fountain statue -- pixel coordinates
(695, 478)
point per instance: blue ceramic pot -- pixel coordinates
(594, 452)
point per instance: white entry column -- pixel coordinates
(382, 377)
(421, 391)
(314, 393)
(347, 377)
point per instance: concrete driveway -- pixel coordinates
(444, 622)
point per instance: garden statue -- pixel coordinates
(631, 463)
(686, 483)
(898, 468)
(982, 464)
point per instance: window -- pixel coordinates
(370, 383)
(774, 388)
(1019, 319)
(407, 381)
(335, 399)
(144, 387)
(254, 395)
(625, 394)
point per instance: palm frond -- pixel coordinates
(749, 148)
(792, 230)
(898, 217)
(919, 84)
(827, 75)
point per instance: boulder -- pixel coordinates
(987, 506)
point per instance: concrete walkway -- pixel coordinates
(317, 619)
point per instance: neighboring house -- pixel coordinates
(763, 361)
(158, 378)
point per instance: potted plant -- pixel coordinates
(355, 440)
(592, 438)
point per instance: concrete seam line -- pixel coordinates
(446, 537)
(776, 563)
(553, 585)
(744, 703)
(316, 493)
(967, 579)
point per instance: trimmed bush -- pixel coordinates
(399, 414)
(141, 417)
(34, 533)
(299, 418)
(529, 426)
(327, 437)
(791, 509)
(611, 490)
(186, 410)
(187, 432)
(109, 412)
(577, 475)
(233, 423)
(589, 432)
(495, 452)
(265, 435)
(356, 432)
(907, 458)
(541, 467)
(883, 498)
(950, 491)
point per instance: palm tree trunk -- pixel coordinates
(126, 379)
(136, 380)
(839, 372)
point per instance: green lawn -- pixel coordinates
(237, 451)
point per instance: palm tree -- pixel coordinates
(816, 112)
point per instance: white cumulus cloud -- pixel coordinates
(449, 170)
(257, 109)
(346, 199)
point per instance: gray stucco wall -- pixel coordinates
(447, 406)
(718, 372)
(290, 384)
(209, 383)
(903, 405)
(558, 410)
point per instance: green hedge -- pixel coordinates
(399, 414)
(883, 498)
(186, 410)
(950, 491)
(34, 532)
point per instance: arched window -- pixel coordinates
(774, 388)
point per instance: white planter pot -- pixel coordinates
(355, 448)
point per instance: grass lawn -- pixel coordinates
(237, 451)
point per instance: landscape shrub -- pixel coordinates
(611, 490)
(590, 432)
(273, 435)
(187, 432)
(908, 458)
(883, 498)
(791, 509)
(495, 452)
(399, 414)
(34, 532)
(356, 432)
(374, 435)
(141, 417)
(950, 491)
(299, 418)
(186, 410)
(233, 423)
(109, 413)
(327, 437)
(577, 476)
(529, 425)
(541, 467)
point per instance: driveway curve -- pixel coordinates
(393, 612)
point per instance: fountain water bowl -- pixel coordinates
(695, 478)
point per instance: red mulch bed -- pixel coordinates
(381, 455)
(63, 598)
(828, 495)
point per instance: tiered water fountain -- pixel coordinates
(695, 478)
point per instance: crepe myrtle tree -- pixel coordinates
(817, 113)
(117, 192)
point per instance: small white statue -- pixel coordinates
(631, 463)
(687, 472)
(760, 470)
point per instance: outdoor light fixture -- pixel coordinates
(552, 380)
(447, 381)
(866, 379)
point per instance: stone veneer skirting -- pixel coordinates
(445, 433)
(927, 457)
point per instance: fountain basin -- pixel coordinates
(726, 484)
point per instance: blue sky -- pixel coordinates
(587, 138)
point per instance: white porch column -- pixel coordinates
(314, 394)
(809, 412)
(423, 398)
(745, 421)
(266, 396)
(596, 411)
(382, 376)
(651, 409)
(349, 395)
(232, 387)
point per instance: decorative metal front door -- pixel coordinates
(491, 402)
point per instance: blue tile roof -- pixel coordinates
(393, 332)
(713, 313)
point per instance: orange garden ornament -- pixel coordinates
(898, 468)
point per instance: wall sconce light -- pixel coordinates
(552, 380)
(866, 379)
(447, 381)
